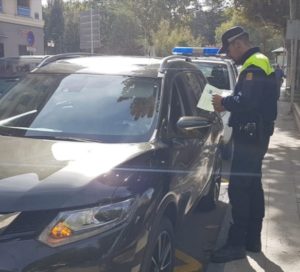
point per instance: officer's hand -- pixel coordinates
(216, 101)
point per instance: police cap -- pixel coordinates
(230, 35)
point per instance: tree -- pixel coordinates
(167, 37)
(275, 12)
(123, 38)
(205, 23)
(72, 11)
(54, 25)
(149, 14)
(268, 38)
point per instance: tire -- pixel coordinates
(227, 150)
(160, 252)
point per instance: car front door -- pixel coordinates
(191, 151)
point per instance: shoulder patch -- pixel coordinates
(249, 76)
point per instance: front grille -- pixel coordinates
(28, 224)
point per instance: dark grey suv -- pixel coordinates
(100, 160)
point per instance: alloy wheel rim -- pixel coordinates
(161, 259)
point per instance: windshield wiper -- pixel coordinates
(2, 122)
(60, 138)
(34, 133)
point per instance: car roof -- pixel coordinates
(112, 65)
(212, 60)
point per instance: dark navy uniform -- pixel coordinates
(253, 108)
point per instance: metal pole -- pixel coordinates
(292, 71)
(92, 33)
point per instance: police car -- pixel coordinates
(219, 72)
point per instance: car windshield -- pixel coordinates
(216, 74)
(6, 84)
(79, 106)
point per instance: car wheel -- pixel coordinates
(159, 256)
(227, 150)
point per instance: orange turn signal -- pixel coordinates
(60, 231)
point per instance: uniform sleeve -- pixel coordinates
(248, 93)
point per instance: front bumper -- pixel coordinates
(119, 250)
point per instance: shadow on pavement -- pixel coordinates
(266, 264)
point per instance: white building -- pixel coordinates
(21, 28)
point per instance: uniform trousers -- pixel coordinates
(245, 190)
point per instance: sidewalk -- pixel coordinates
(281, 181)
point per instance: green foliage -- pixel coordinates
(265, 36)
(167, 37)
(123, 36)
(137, 26)
(72, 10)
(149, 14)
(275, 12)
(205, 23)
(54, 25)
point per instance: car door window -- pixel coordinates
(191, 86)
(186, 91)
(185, 99)
(176, 109)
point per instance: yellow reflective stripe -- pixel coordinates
(260, 61)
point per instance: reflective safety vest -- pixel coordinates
(259, 60)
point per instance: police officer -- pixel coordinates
(253, 108)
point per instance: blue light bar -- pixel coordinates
(210, 51)
(186, 51)
(195, 51)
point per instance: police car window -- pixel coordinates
(216, 74)
(233, 73)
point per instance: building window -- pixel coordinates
(36, 16)
(23, 3)
(1, 50)
(23, 50)
(23, 8)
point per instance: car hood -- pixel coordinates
(41, 174)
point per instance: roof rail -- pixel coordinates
(62, 56)
(165, 61)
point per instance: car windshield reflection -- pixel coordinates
(96, 107)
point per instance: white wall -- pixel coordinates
(10, 7)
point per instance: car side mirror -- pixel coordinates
(193, 122)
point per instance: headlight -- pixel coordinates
(70, 226)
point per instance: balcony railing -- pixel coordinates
(23, 11)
